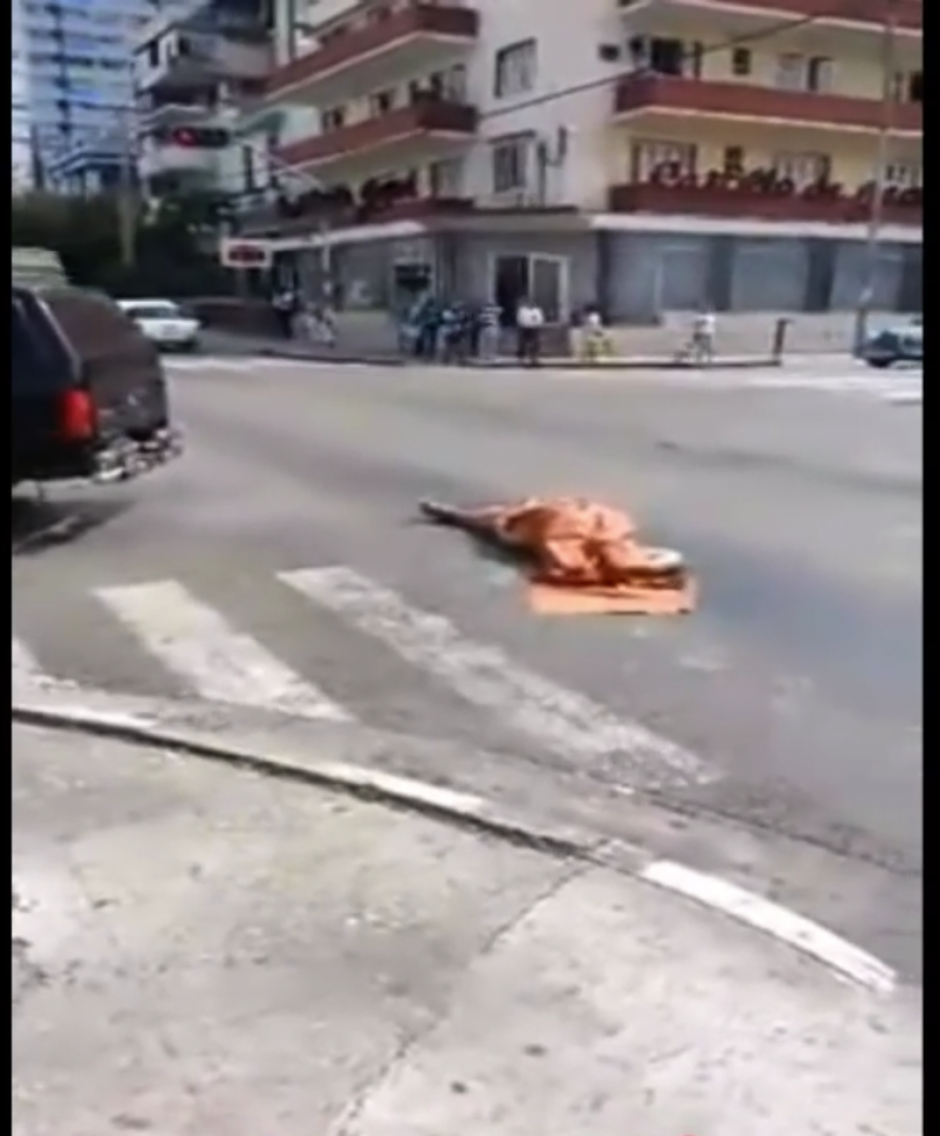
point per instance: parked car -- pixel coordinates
(88, 392)
(901, 343)
(163, 323)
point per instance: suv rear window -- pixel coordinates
(94, 325)
(38, 361)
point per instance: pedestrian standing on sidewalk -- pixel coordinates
(704, 327)
(530, 320)
(284, 304)
(486, 329)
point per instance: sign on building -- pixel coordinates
(237, 252)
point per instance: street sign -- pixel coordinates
(235, 252)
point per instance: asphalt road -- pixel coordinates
(788, 707)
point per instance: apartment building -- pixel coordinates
(649, 155)
(72, 75)
(195, 65)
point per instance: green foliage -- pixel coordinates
(173, 246)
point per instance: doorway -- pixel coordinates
(543, 279)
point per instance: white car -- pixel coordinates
(163, 323)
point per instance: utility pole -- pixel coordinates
(127, 194)
(324, 249)
(882, 153)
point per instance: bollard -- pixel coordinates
(781, 328)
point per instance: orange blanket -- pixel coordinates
(585, 557)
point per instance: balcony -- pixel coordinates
(760, 196)
(153, 116)
(417, 131)
(676, 95)
(868, 15)
(159, 159)
(203, 60)
(286, 218)
(418, 37)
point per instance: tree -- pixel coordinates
(172, 255)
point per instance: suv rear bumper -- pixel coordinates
(118, 459)
(126, 458)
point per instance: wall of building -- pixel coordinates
(648, 274)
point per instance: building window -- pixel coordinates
(382, 102)
(333, 119)
(802, 169)
(733, 160)
(790, 72)
(797, 73)
(510, 158)
(649, 156)
(915, 87)
(819, 73)
(445, 178)
(741, 62)
(904, 175)
(516, 67)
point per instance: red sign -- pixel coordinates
(236, 253)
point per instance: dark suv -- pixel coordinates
(88, 391)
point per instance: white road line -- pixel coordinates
(554, 716)
(780, 922)
(26, 668)
(29, 674)
(226, 362)
(198, 646)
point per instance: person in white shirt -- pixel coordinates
(530, 319)
(703, 336)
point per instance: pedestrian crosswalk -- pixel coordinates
(185, 643)
(906, 386)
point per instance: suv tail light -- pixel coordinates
(77, 416)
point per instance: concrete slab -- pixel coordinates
(198, 950)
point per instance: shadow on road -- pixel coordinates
(40, 523)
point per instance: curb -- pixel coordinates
(563, 364)
(74, 710)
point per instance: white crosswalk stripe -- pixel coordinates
(26, 668)
(904, 387)
(217, 662)
(205, 655)
(240, 363)
(561, 719)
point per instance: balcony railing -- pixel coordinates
(344, 207)
(909, 14)
(425, 116)
(666, 93)
(761, 195)
(431, 21)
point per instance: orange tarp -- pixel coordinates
(585, 558)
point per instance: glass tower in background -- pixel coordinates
(72, 75)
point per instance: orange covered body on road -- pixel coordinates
(584, 557)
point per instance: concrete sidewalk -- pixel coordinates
(225, 342)
(199, 950)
